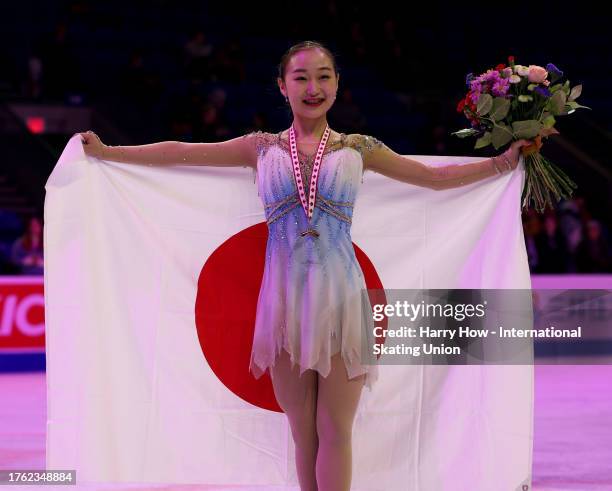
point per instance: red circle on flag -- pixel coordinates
(226, 304)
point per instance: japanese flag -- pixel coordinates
(151, 281)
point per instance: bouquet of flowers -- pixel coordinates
(510, 103)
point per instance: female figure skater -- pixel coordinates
(309, 327)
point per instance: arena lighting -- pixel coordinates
(36, 124)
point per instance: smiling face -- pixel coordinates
(310, 83)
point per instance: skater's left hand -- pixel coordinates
(513, 152)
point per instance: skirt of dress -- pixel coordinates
(314, 310)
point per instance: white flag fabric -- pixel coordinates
(141, 389)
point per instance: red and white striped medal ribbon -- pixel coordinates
(308, 206)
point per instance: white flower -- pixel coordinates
(523, 71)
(514, 79)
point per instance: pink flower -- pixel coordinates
(537, 74)
(500, 88)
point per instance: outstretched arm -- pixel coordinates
(385, 161)
(240, 151)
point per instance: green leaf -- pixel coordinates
(575, 105)
(575, 93)
(526, 129)
(555, 88)
(556, 102)
(549, 121)
(501, 135)
(485, 102)
(500, 109)
(465, 132)
(484, 140)
(566, 87)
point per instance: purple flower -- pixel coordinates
(543, 91)
(491, 76)
(469, 78)
(500, 87)
(550, 68)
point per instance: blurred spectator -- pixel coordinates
(228, 63)
(33, 85)
(11, 226)
(61, 70)
(139, 83)
(551, 247)
(593, 253)
(571, 228)
(208, 127)
(346, 114)
(357, 47)
(582, 209)
(217, 98)
(182, 114)
(181, 129)
(27, 250)
(440, 137)
(332, 18)
(198, 54)
(396, 49)
(259, 123)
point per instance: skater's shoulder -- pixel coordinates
(262, 140)
(364, 144)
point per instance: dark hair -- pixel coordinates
(282, 66)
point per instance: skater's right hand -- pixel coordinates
(92, 144)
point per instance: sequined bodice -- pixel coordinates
(340, 173)
(294, 238)
(361, 143)
(307, 161)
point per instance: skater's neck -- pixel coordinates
(309, 130)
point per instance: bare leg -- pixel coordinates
(336, 407)
(297, 396)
